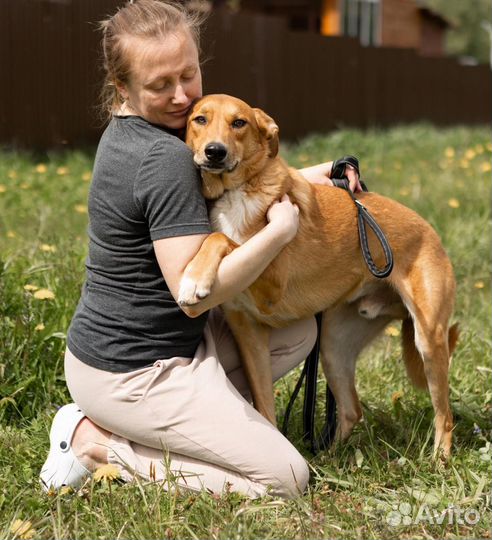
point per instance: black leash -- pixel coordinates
(310, 374)
(310, 369)
(363, 218)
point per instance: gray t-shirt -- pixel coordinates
(144, 187)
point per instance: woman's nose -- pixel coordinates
(179, 95)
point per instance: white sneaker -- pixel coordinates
(62, 468)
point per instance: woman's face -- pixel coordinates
(164, 79)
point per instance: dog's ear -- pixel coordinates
(269, 129)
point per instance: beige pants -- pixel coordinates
(188, 421)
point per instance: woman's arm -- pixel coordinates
(239, 269)
(320, 174)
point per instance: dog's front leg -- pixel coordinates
(344, 334)
(200, 274)
(253, 339)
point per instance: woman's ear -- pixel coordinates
(269, 129)
(121, 88)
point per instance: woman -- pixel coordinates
(160, 394)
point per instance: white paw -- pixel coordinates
(191, 292)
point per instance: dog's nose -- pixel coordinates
(216, 152)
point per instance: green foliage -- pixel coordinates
(467, 37)
(444, 174)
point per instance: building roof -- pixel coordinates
(434, 16)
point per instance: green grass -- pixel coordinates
(444, 174)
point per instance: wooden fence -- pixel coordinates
(49, 52)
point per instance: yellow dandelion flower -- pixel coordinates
(107, 472)
(47, 248)
(41, 168)
(24, 185)
(392, 331)
(453, 203)
(52, 492)
(87, 176)
(449, 152)
(470, 153)
(44, 294)
(65, 490)
(80, 208)
(479, 285)
(396, 396)
(479, 149)
(11, 234)
(12, 174)
(22, 529)
(464, 164)
(489, 147)
(30, 287)
(61, 171)
(486, 167)
(3, 188)
(39, 327)
(404, 191)
(397, 165)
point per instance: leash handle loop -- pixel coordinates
(363, 218)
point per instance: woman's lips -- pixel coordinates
(182, 112)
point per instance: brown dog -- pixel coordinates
(322, 269)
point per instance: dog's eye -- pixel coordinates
(200, 120)
(238, 123)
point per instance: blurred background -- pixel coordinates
(314, 65)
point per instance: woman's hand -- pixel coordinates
(320, 174)
(353, 178)
(284, 216)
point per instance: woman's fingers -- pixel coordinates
(353, 178)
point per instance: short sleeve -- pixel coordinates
(167, 189)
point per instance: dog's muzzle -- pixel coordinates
(216, 153)
(216, 159)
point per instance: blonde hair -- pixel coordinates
(150, 19)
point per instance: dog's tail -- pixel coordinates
(411, 356)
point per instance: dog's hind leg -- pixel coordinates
(431, 344)
(344, 334)
(428, 341)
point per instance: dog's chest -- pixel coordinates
(236, 213)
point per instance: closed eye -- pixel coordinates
(159, 86)
(238, 123)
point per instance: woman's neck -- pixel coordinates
(125, 110)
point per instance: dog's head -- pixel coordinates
(230, 141)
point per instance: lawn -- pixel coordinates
(381, 484)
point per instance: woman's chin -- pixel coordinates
(172, 122)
